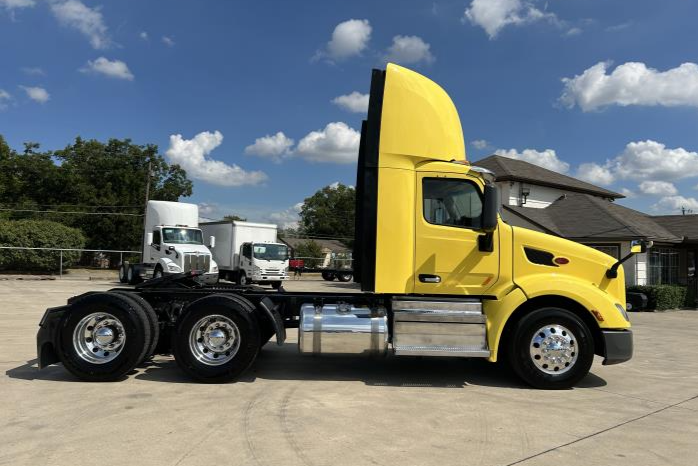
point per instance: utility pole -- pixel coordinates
(149, 175)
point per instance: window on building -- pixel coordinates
(452, 202)
(612, 250)
(663, 266)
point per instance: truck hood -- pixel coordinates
(537, 253)
(190, 248)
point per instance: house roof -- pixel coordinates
(507, 169)
(680, 225)
(583, 216)
(326, 244)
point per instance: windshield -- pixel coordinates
(182, 236)
(271, 252)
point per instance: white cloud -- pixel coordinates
(675, 204)
(632, 83)
(407, 50)
(37, 94)
(349, 39)
(651, 160)
(288, 218)
(494, 15)
(546, 159)
(111, 68)
(575, 31)
(337, 143)
(658, 188)
(89, 21)
(355, 102)
(168, 41)
(5, 99)
(33, 71)
(144, 35)
(16, 4)
(207, 209)
(595, 174)
(192, 155)
(276, 147)
(628, 193)
(480, 144)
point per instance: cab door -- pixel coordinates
(448, 258)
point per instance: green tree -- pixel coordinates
(95, 177)
(233, 217)
(310, 251)
(330, 213)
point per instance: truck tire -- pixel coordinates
(328, 276)
(132, 275)
(158, 273)
(275, 285)
(217, 338)
(344, 277)
(122, 273)
(103, 337)
(150, 314)
(551, 348)
(242, 279)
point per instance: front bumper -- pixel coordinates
(268, 278)
(210, 278)
(618, 346)
(46, 340)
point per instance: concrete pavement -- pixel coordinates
(299, 410)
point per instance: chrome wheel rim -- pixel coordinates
(554, 349)
(214, 340)
(99, 338)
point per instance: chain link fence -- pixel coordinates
(24, 260)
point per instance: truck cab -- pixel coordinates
(180, 249)
(263, 263)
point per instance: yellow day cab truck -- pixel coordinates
(441, 275)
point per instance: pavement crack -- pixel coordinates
(621, 424)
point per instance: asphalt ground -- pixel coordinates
(292, 409)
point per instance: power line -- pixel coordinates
(69, 212)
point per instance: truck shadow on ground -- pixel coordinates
(285, 363)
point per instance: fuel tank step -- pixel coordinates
(454, 328)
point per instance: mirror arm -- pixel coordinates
(485, 242)
(613, 271)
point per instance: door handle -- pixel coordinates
(428, 278)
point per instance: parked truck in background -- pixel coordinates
(248, 252)
(441, 275)
(173, 243)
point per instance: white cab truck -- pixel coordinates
(248, 252)
(173, 243)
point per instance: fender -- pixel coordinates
(274, 317)
(599, 303)
(164, 261)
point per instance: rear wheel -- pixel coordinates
(132, 275)
(103, 337)
(327, 276)
(344, 277)
(150, 314)
(551, 348)
(122, 273)
(217, 339)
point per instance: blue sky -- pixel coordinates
(243, 93)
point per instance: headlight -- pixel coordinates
(215, 268)
(622, 310)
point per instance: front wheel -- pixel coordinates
(242, 279)
(122, 273)
(158, 273)
(344, 277)
(328, 276)
(551, 348)
(275, 285)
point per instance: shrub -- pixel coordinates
(38, 234)
(311, 253)
(662, 297)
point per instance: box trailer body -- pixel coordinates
(440, 273)
(173, 243)
(248, 252)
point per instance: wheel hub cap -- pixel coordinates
(214, 340)
(553, 349)
(99, 338)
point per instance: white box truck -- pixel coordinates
(248, 252)
(172, 244)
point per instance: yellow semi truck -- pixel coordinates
(441, 275)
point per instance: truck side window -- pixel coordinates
(247, 250)
(156, 237)
(452, 202)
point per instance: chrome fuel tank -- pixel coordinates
(342, 329)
